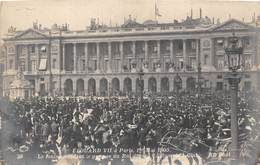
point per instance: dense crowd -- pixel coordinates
(68, 125)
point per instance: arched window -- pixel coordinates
(206, 59)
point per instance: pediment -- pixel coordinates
(232, 25)
(30, 34)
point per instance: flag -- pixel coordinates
(157, 11)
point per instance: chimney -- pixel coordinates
(200, 13)
(213, 20)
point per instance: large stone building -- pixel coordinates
(58, 61)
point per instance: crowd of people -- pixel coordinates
(67, 125)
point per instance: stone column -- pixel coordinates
(63, 57)
(75, 56)
(184, 83)
(158, 49)
(37, 86)
(121, 84)
(97, 87)
(109, 58)
(211, 59)
(98, 58)
(145, 84)
(133, 48)
(86, 86)
(146, 50)
(158, 84)
(16, 61)
(171, 51)
(37, 54)
(159, 56)
(86, 57)
(134, 53)
(134, 85)
(27, 58)
(184, 54)
(171, 83)
(6, 61)
(74, 86)
(59, 57)
(121, 57)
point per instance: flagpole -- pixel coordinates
(155, 10)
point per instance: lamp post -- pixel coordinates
(234, 52)
(199, 80)
(140, 84)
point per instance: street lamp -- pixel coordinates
(234, 52)
(199, 78)
(140, 84)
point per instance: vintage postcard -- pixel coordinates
(129, 82)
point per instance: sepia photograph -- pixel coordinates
(130, 82)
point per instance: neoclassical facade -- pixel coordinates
(104, 60)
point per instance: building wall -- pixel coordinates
(73, 62)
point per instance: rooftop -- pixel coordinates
(130, 26)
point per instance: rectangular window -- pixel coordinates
(33, 65)
(205, 59)
(106, 65)
(10, 50)
(193, 45)
(180, 46)
(94, 65)
(155, 48)
(246, 42)
(83, 65)
(54, 85)
(220, 64)
(11, 64)
(54, 63)
(247, 85)
(32, 48)
(43, 64)
(22, 66)
(219, 86)
(24, 51)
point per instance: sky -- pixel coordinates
(21, 14)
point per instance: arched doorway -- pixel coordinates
(127, 85)
(177, 82)
(103, 89)
(191, 84)
(165, 85)
(152, 85)
(80, 87)
(139, 85)
(92, 87)
(68, 87)
(115, 86)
